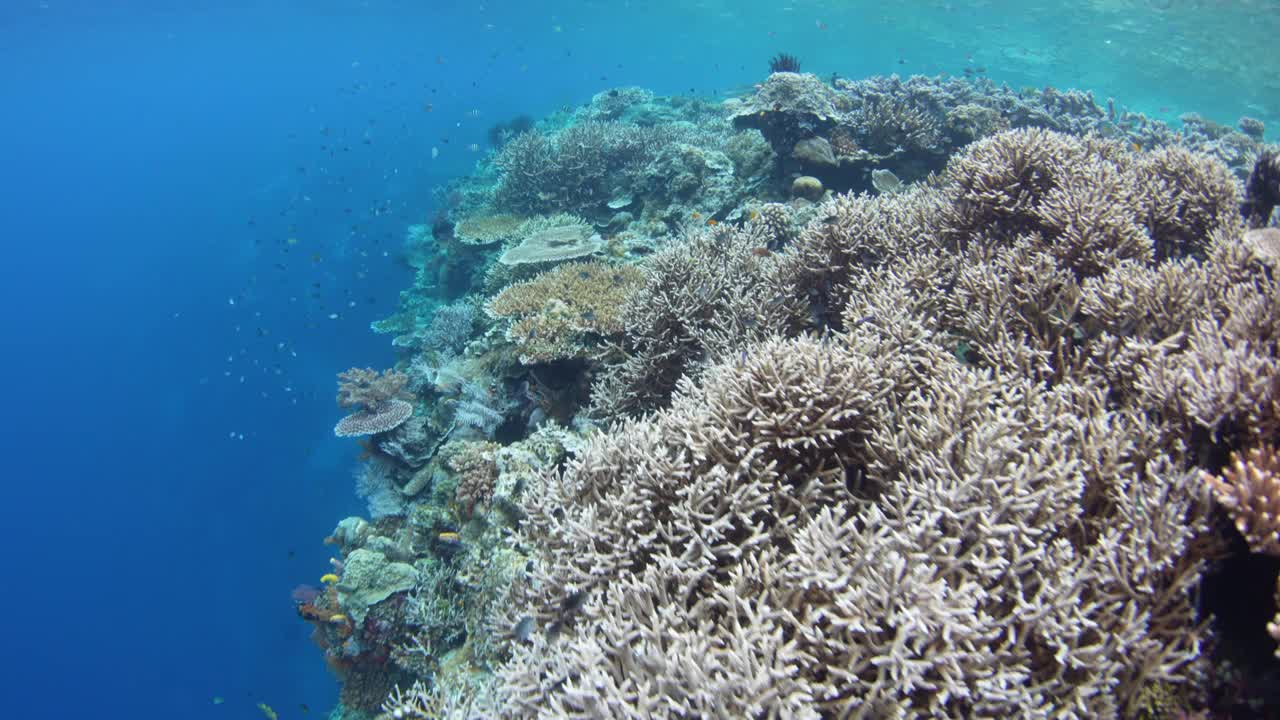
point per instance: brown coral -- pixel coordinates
(476, 470)
(487, 229)
(1249, 488)
(563, 313)
(378, 399)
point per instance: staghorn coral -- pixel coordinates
(974, 495)
(889, 124)
(702, 298)
(1186, 196)
(774, 224)
(562, 313)
(1093, 202)
(574, 169)
(997, 185)
(417, 703)
(814, 532)
(859, 232)
(1220, 368)
(1249, 488)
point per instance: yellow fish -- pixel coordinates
(328, 578)
(450, 537)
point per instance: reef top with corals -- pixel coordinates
(843, 397)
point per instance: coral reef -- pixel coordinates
(975, 445)
(1095, 203)
(691, 509)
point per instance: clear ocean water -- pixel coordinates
(203, 206)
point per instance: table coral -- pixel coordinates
(561, 313)
(553, 239)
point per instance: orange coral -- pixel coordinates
(1249, 488)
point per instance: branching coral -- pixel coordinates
(1249, 488)
(1092, 201)
(416, 703)
(701, 298)
(888, 124)
(814, 531)
(570, 171)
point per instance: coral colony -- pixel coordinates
(848, 399)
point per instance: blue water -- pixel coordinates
(171, 469)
